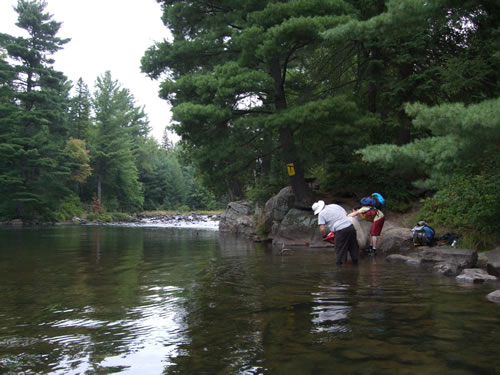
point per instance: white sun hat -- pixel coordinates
(318, 206)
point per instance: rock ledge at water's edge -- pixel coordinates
(283, 225)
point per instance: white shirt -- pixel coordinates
(334, 217)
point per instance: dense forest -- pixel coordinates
(396, 96)
(64, 149)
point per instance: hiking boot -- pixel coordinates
(368, 250)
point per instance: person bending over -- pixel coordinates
(334, 218)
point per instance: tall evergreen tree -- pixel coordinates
(80, 111)
(117, 123)
(229, 69)
(34, 169)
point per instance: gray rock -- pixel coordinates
(394, 238)
(277, 207)
(299, 227)
(238, 218)
(494, 296)
(482, 260)
(492, 260)
(398, 258)
(391, 239)
(474, 275)
(446, 269)
(449, 262)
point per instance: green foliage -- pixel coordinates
(54, 147)
(183, 209)
(121, 217)
(78, 154)
(257, 85)
(469, 203)
(112, 150)
(33, 127)
(102, 218)
(260, 194)
(461, 137)
(70, 207)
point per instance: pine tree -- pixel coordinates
(230, 83)
(112, 145)
(80, 111)
(34, 168)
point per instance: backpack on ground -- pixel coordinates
(423, 234)
(375, 200)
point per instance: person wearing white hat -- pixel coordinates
(334, 218)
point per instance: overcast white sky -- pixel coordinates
(106, 35)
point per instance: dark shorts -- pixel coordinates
(377, 227)
(346, 242)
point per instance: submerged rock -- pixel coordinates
(398, 258)
(494, 296)
(449, 262)
(474, 275)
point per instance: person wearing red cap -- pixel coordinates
(334, 218)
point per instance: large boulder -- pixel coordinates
(298, 228)
(492, 261)
(449, 262)
(238, 218)
(392, 238)
(277, 207)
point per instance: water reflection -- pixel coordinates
(330, 310)
(79, 300)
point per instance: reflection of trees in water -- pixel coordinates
(251, 305)
(178, 301)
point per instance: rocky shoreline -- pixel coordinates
(193, 220)
(283, 225)
(163, 220)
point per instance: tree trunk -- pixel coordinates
(373, 74)
(403, 136)
(265, 167)
(20, 210)
(99, 187)
(303, 196)
(234, 189)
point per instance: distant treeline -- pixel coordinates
(64, 149)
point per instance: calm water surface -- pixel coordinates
(101, 300)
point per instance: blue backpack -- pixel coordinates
(375, 200)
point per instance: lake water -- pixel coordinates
(109, 299)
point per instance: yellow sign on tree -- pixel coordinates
(291, 169)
